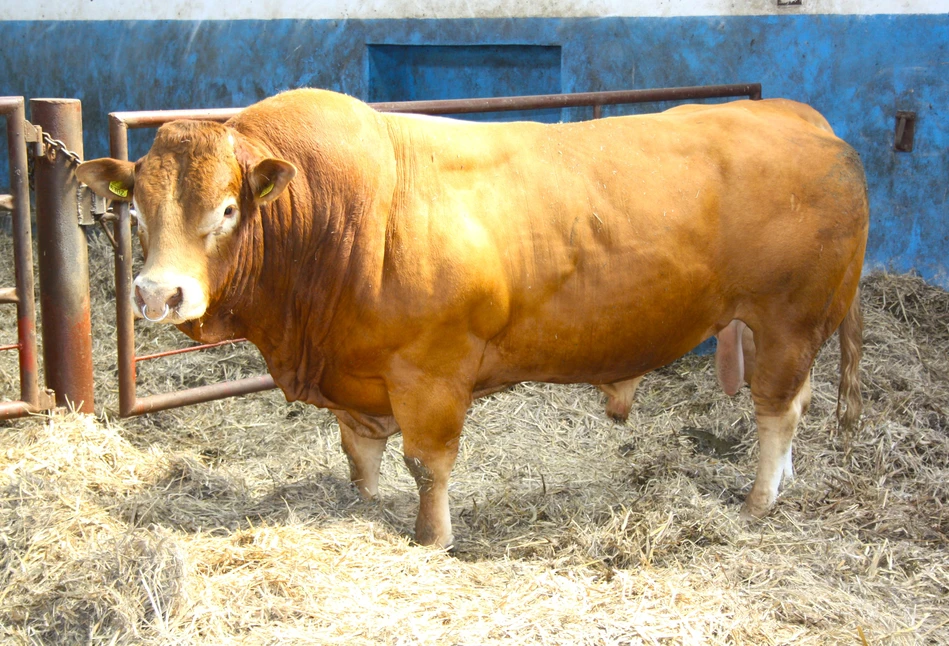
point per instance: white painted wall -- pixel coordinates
(363, 9)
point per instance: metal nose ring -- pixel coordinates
(160, 318)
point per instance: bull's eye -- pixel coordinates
(222, 220)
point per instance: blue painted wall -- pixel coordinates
(423, 72)
(857, 70)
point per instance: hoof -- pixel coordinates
(751, 513)
(435, 541)
(367, 495)
(617, 411)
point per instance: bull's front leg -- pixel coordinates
(364, 454)
(431, 415)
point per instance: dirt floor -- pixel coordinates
(234, 521)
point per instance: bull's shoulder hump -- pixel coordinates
(299, 105)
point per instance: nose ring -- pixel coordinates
(148, 318)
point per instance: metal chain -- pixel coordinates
(52, 145)
(100, 214)
(56, 144)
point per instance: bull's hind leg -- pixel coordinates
(748, 352)
(620, 397)
(729, 359)
(364, 454)
(776, 428)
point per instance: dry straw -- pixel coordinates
(233, 522)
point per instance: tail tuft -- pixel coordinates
(849, 395)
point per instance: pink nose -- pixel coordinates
(155, 302)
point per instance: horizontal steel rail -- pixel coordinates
(155, 118)
(574, 100)
(8, 295)
(194, 348)
(202, 394)
(121, 122)
(32, 398)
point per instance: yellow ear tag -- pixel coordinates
(266, 190)
(119, 189)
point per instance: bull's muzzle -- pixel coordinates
(150, 301)
(167, 300)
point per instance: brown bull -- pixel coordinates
(391, 268)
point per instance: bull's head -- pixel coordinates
(195, 189)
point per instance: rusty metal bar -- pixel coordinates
(121, 122)
(155, 118)
(129, 403)
(11, 346)
(124, 318)
(32, 398)
(8, 296)
(63, 259)
(575, 100)
(194, 348)
(15, 112)
(201, 394)
(9, 410)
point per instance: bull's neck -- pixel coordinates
(306, 252)
(304, 255)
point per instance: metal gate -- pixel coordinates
(120, 123)
(32, 397)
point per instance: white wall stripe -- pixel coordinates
(366, 9)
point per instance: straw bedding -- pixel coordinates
(235, 520)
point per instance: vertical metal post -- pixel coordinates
(31, 397)
(124, 318)
(23, 257)
(63, 259)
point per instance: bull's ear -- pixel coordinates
(269, 178)
(108, 178)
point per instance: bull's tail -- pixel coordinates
(849, 396)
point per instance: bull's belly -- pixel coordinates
(565, 353)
